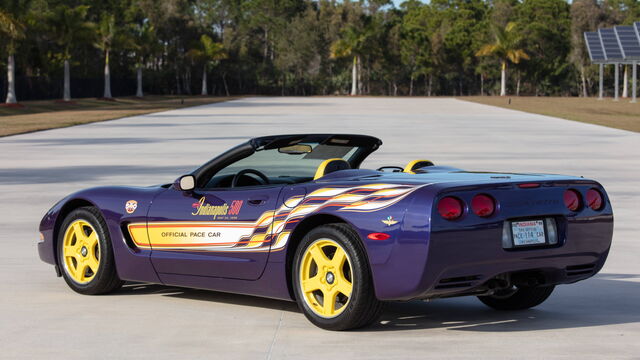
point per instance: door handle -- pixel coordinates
(257, 201)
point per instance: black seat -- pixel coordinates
(331, 165)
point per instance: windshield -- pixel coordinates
(283, 167)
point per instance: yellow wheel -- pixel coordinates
(332, 280)
(325, 278)
(85, 253)
(81, 251)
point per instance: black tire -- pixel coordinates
(362, 307)
(106, 279)
(520, 299)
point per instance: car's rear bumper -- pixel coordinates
(460, 262)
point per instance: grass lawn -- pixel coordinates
(620, 114)
(48, 114)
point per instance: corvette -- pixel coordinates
(294, 217)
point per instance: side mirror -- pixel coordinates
(186, 183)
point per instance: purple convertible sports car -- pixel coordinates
(294, 217)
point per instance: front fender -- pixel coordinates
(51, 221)
(131, 263)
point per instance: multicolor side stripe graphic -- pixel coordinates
(273, 228)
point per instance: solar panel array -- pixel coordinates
(617, 45)
(594, 46)
(629, 42)
(610, 44)
(620, 44)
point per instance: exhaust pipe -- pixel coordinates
(529, 280)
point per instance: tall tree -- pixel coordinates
(298, 53)
(13, 29)
(389, 66)
(307, 46)
(351, 45)
(507, 47)
(546, 29)
(69, 27)
(466, 21)
(105, 34)
(209, 53)
(415, 43)
(144, 44)
(503, 12)
(585, 16)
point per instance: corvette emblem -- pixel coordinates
(131, 206)
(389, 221)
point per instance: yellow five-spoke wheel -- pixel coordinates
(332, 279)
(325, 278)
(81, 251)
(85, 253)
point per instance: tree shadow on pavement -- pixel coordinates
(256, 102)
(88, 174)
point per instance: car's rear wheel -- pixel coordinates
(518, 298)
(332, 280)
(85, 254)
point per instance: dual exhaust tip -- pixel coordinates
(527, 280)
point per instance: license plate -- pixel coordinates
(529, 232)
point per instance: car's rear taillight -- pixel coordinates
(594, 199)
(450, 208)
(572, 199)
(483, 205)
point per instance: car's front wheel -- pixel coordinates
(85, 253)
(517, 298)
(332, 280)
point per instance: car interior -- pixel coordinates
(294, 159)
(255, 177)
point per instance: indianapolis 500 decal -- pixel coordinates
(269, 232)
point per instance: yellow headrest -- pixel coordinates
(416, 164)
(329, 166)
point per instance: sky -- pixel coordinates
(398, 2)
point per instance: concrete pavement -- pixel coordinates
(41, 317)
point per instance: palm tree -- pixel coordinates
(507, 48)
(210, 53)
(69, 27)
(13, 30)
(144, 44)
(108, 36)
(106, 33)
(350, 45)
